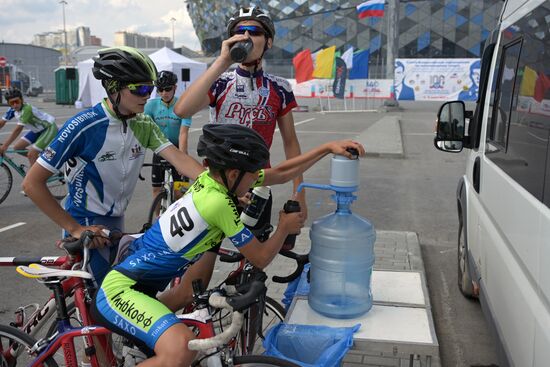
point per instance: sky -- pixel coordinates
(21, 19)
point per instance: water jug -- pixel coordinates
(342, 250)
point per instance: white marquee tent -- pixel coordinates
(91, 92)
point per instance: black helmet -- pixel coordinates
(166, 79)
(228, 146)
(124, 64)
(13, 93)
(251, 13)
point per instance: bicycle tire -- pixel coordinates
(6, 181)
(57, 186)
(10, 335)
(274, 313)
(258, 360)
(158, 201)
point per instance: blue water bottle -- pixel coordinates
(342, 250)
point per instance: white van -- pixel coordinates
(504, 197)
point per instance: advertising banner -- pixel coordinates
(436, 79)
(357, 88)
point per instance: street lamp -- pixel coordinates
(173, 20)
(63, 3)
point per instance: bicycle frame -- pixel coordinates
(6, 159)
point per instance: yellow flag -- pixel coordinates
(324, 63)
(527, 86)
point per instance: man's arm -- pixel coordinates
(14, 134)
(2, 122)
(291, 168)
(184, 135)
(292, 149)
(185, 164)
(195, 98)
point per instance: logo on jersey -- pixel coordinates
(258, 114)
(48, 153)
(108, 156)
(137, 151)
(264, 92)
(240, 88)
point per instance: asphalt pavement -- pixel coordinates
(406, 187)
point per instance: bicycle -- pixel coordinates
(217, 347)
(167, 195)
(56, 183)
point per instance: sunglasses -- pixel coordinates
(165, 89)
(140, 90)
(253, 30)
(14, 102)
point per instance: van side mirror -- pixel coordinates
(450, 128)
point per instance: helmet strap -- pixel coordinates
(116, 103)
(231, 191)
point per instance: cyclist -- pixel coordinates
(188, 232)
(174, 127)
(248, 95)
(42, 127)
(104, 148)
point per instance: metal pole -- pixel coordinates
(63, 3)
(173, 20)
(392, 37)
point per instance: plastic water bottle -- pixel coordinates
(342, 251)
(291, 206)
(240, 50)
(254, 210)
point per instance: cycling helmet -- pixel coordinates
(166, 79)
(228, 146)
(124, 64)
(251, 13)
(13, 93)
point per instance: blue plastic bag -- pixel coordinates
(309, 345)
(298, 287)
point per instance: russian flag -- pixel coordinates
(371, 8)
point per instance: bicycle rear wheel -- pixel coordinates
(57, 186)
(257, 360)
(6, 181)
(13, 338)
(159, 203)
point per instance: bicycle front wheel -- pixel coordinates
(160, 204)
(6, 181)
(57, 186)
(11, 341)
(256, 360)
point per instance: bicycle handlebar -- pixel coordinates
(301, 260)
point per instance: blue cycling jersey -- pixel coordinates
(166, 119)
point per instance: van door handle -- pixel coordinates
(476, 173)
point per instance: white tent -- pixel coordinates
(90, 90)
(186, 69)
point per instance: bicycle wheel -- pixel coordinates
(57, 186)
(159, 203)
(6, 181)
(257, 360)
(248, 341)
(11, 338)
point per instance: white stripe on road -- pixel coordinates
(12, 226)
(301, 122)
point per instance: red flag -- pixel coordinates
(303, 65)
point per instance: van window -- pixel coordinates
(518, 134)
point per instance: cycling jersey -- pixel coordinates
(30, 117)
(191, 226)
(234, 101)
(166, 119)
(103, 160)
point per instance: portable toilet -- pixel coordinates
(66, 85)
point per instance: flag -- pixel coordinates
(541, 86)
(336, 55)
(339, 86)
(324, 62)
(371, 8)
(348, 58)
(527, 86)
(303, 64)
(360, 68)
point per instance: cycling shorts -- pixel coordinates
(157, 172)
(40, 140)
(135, 313)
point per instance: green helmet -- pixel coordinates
(124, 64)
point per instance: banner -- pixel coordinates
(436, 79)
(324, 62)
(303, 64)
(339, 86)
(360, 69)
(357, 88)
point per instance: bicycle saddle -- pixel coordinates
(40, 271)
